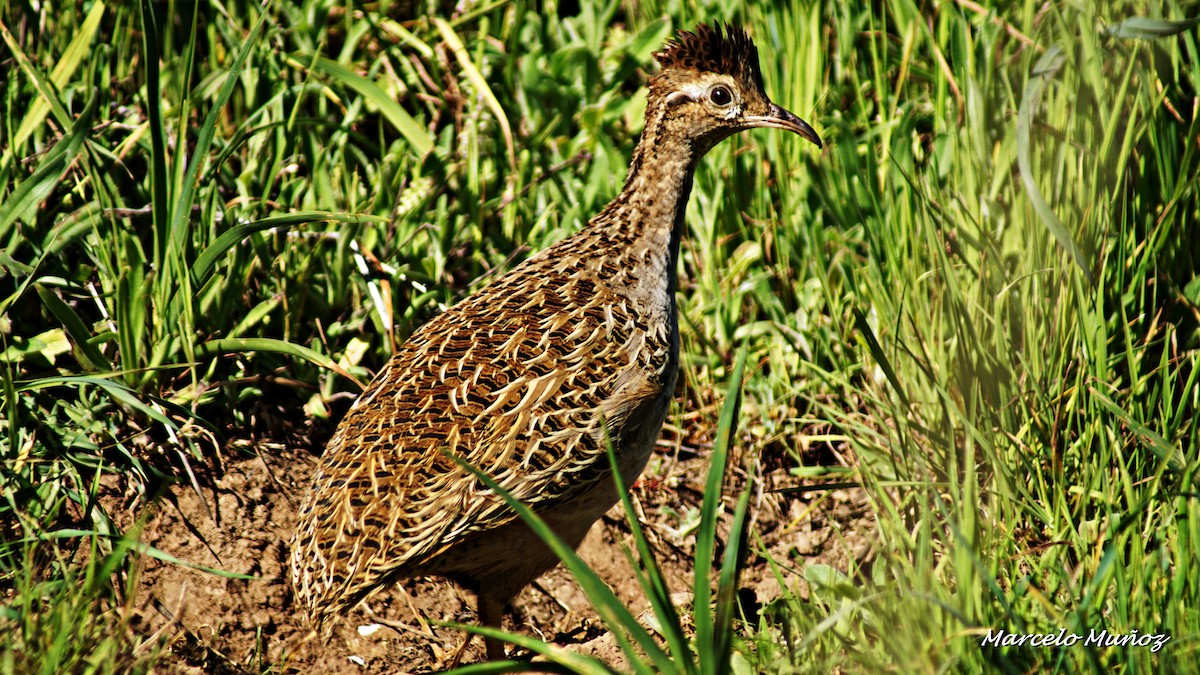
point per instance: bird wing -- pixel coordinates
(518, 381)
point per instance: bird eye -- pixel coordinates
(720, 95)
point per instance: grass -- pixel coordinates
(987, 286)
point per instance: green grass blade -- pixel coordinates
(43, 84)
(619, 620)
(151, 407)
(1169, 453)
(181, 206)
(144, 549)
(489, 667)
(75, 327)
(173, 286)
(873, 346)
(240, 345)
(51, 170)
(565, 660)
(714, 656)
(1043, 71)
(651, 578)
(118, 392)
(160, 203)
(1141, 28)
(480, 84)
(727, 584)
(413, 132)
(59, 77)
(208, 258)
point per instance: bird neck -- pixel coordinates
(647, 216)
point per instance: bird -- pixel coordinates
(529, 379)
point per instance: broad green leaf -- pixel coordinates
(1192, 291)
(650, 38)
(48, 344)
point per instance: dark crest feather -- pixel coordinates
(707, 50)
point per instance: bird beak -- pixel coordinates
(778, 118)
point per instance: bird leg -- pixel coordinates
(491, 614)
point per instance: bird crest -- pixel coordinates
(707, 50)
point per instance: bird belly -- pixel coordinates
(479, 561)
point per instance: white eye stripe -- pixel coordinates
(703, 93)
(676, 95)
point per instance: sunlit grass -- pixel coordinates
(987, 283)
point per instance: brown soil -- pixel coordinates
(226, 625)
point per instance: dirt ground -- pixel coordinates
(242, 519)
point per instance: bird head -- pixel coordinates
(710, 87)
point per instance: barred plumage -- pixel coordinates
(525, 378)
